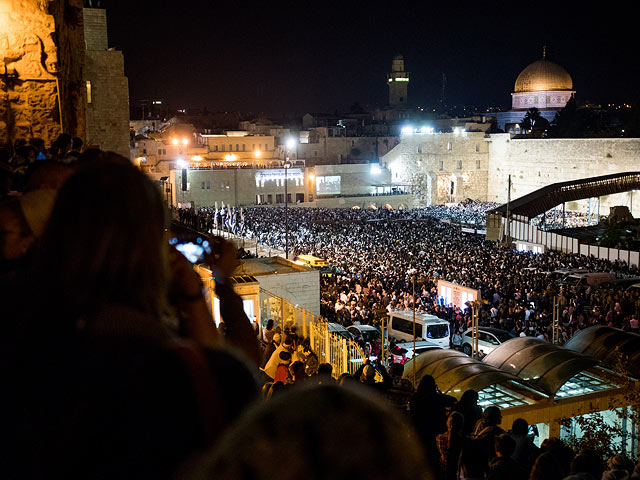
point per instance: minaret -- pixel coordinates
(398, 81)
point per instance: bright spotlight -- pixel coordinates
(375, 170)
(407, 131)
(174, 141)
(291, 143)
(180, 163)
(185, 141)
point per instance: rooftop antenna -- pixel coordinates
(544, 52)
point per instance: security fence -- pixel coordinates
(344, 355)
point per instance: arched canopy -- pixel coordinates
(607, 345)
(455, 372)
(546, 366)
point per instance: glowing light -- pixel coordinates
(257, 153)
(196, 158)
(402, 79)
(174, 141)
(291, 143)
(185, 141)
(407, 131)
(375, 170)
(180, 163)
(230, 157)
(312, 177)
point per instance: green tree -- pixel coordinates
(532, 120)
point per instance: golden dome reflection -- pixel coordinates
(543, 76)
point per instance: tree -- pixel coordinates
(534, 121)
(591, 430)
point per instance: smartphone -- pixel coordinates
(193, 247)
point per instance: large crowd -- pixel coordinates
(112, 366)
(376, 253)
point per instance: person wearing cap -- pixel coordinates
(282, 370)
(272, 365)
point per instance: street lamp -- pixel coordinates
(289, 144)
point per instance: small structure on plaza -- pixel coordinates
(547, 385)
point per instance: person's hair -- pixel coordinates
(520, 426)
(546, 467)
(427, 385)
(492, 415)
(397, 369)
(105, 242)
(76, 143)
(297, 368)
(269, 324)
(455, 425)
(325, 411)
(505, 445)
(325, 369)
(469, 398)
(588, 461)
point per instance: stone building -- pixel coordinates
(449, 167)
(41, 74)
(107, 89)
(543, 85)
(57, 75)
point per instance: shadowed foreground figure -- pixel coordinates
(317, 432)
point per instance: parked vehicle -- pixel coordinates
(488, 339)
(312, 261)
(592, 279)
(427, 327)
(402, 352)
(340, 330)
(619, 283)
(560, 274)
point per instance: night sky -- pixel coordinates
(323, 56)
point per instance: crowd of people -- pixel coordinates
(375, 255)
(114, 368)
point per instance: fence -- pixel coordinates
(520, 229)
(344, 355)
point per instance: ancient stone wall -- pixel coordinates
(108, 110)
(536, 163)
(431, 163)
(38, 40)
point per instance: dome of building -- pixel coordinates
(543, 76)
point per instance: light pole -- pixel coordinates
(289, 145)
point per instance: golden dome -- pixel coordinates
(543, 76)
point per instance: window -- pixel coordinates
(215, 148)
(459, 164)
(222, 148)
(279, 197)
(406, 326)
(208, 185)
(237, 147)
(478, 164)
(448, 145)
(441, 164)
(288, 198)
(315, 153)
(88, 91)
(244, 149)
(438, 331)
(477, 147)
(269, 199)
(159, 151)
(202, 186)
(164, 151)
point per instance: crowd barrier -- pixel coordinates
(344, 355)
(520, 229)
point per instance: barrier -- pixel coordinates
(345, 356)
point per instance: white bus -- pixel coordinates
(428, 327)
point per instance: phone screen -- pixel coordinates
(193, 249)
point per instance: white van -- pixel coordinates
(583, 279)
(428, 327)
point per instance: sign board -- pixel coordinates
(452, 293)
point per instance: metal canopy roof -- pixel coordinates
(607, 344)
(544, 365)
(454, 372)
(548, 197)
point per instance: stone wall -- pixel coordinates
(431, 163)
(108, 111)
(336, 150)
(39, 72)
(536, 163)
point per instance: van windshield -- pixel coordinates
(440, 330)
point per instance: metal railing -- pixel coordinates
(344, 355)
